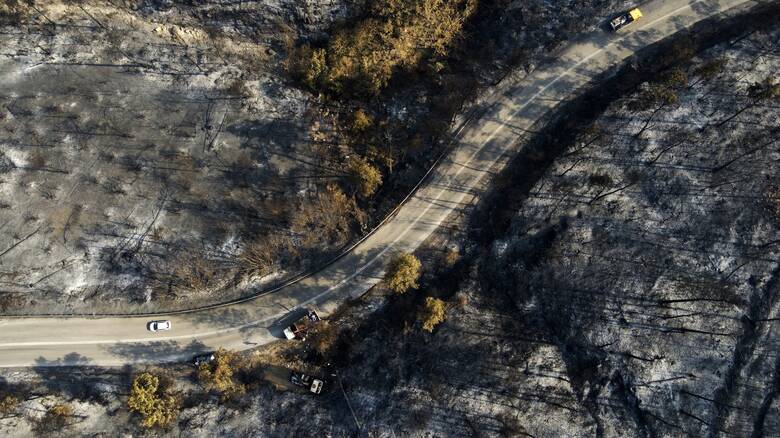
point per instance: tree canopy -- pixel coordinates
(365, 177)
(148, 399)
(219, 375)
(395, 34)
(403, 272)
(433, 313)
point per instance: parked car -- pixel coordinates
(300, 328)
(202, 358)
(306, 381)
(156, 326)
(625, 19)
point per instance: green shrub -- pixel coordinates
(433, 313)
(148, 398)
(403, 272)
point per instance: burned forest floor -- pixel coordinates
(160, 155)
(620, 278)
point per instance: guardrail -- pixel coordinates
(305, 274)
(346, 250)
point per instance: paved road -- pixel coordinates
(485, 143)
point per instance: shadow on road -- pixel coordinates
(157, 351)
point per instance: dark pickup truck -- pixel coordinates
(300, 328)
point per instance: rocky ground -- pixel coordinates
(633, 291)
(157, 153)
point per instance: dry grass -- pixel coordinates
(259, 256)
(324, 220)
(195, 272)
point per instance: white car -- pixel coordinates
(316, 386)
(156, 326)
(307, 381)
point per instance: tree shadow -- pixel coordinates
(75, 377)
(157, 351)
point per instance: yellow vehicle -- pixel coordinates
(625, 19)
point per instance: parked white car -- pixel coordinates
(156, 326)
(307, 381)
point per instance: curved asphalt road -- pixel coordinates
(485, 143)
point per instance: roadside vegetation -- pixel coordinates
(256, 179)
(403, 272)
(264, 187)
(361, 59)
(536, 328)
(152, 398)
(220, 375)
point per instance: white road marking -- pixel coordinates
(481, 148)
(401, 235)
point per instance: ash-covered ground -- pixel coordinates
(157, 154)
(634, 292)
(146, 145)
(642, 269)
